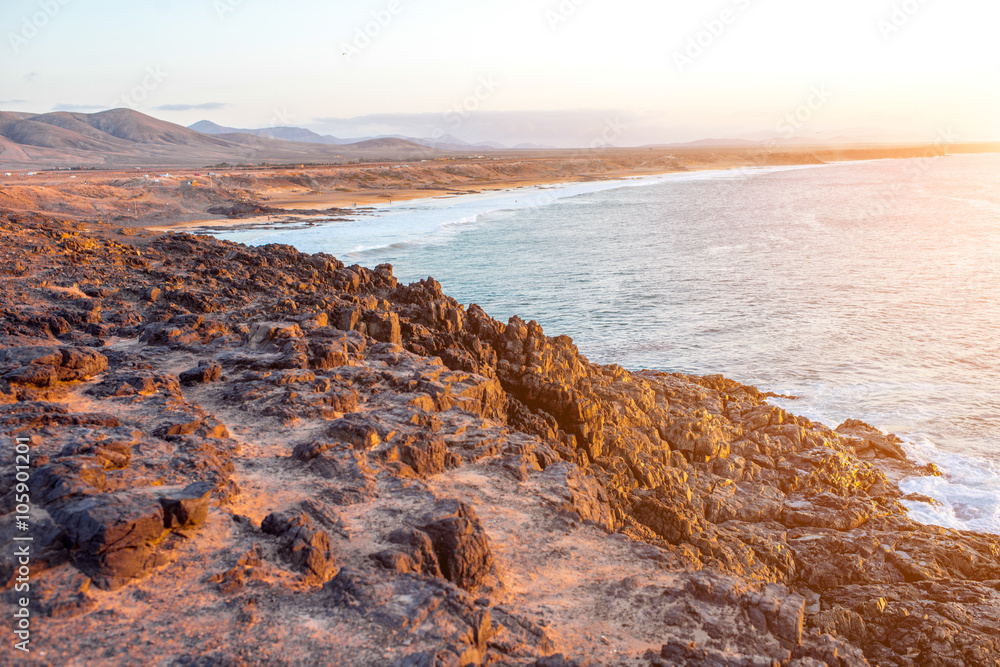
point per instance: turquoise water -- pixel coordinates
(868, 289)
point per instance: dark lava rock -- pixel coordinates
(460, 543)
(305, 547)
(207, 372)
(114, 536)
(187, 508)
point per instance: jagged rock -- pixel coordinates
(114, 536)
(307, 451)
(869, 440)
(700, 475)
(690, 654)
(415, 553)
(305, 547)
(427, 455)
(112, 454)
(460, 543)
(205, 372)
(579, 493)
(359, 431)
(67, 477)
(187, 508)
(779, 612)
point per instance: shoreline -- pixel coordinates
(344, 201)
(180, 197)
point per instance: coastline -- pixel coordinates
(143, 196)
(292, 204)
(368, 201)
(935, 505)
(318, 423)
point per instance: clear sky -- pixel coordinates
(561, 72)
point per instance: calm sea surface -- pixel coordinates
(868, 289)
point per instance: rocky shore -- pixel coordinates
(252, 456)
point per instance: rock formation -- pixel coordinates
(246, 456)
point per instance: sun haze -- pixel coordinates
(667, 71)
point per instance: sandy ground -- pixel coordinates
(180, 199)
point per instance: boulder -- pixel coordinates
(460, 543)
(304, 546)
(188, 507)
(114, 536)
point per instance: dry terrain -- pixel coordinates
(250, 456)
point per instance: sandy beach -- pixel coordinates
(183, 199)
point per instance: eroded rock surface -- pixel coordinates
(277, 456)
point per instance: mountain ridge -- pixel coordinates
(124, 137)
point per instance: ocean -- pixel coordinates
(869, 290)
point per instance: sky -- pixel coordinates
(553, 72)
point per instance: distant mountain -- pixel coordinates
(123, 137)
(707, 143)
(446, 142)
(284, 133)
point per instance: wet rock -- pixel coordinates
(869, 441)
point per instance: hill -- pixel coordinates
(123, 137)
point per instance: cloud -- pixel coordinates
(30, 76)
(206, 106)
(13, 101)
(79, 107)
